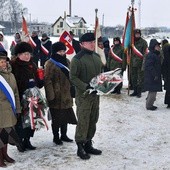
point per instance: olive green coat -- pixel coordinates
(112, 63)
(142, 46)
(84, 66)
(7, 117)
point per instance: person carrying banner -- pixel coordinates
(117, 59)
(36, 47)
(46, 46)
(84, 66)
(9, 109)
(139, 49)
(75, 43)
(57, 89)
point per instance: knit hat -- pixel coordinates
(3, 53)
(87, 37)
(44, 35)
(58, 46)
(22, 47)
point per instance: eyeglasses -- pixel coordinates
(26, 53)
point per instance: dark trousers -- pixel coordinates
(57, 123)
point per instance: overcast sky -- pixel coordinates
(153, 12)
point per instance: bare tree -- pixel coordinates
(2, 9)
(11, 10)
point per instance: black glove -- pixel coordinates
(94, 92)
(31, 83)
(89, 87)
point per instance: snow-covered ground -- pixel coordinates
(131, 138)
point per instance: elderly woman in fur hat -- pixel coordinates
(25, 70)
(57, 88)
(8, 108)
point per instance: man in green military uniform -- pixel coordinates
(84, 66)
(117, 59)
(138, 51)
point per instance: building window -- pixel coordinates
(81, 25)
(58, 31)
(61, 24)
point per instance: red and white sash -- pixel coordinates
(44, 50)
(114, 56)
(137, 52)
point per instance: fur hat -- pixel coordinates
(87, 37)
(22, 47)
(57, 47)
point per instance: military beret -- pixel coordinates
(87, 37)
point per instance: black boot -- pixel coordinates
(27, 144)
(55, 130)
(64, 137)
(139, 91)
(57, 140)
(21, 147)
(81, 152)
(134, 92)
(89, 148)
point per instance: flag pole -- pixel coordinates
(96, 42)
(131, 9)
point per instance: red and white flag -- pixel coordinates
(66, 39)
(25, 34)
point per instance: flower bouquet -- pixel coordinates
(105, 83)
(35, 107)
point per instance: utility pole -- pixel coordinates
(103, 20)
(70, 8)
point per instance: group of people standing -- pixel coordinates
(147, 67)
(59, 76)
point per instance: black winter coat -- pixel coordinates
(23, 71)
(48, 45)
(166, 67)
(152, 73)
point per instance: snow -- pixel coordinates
(131, 138)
